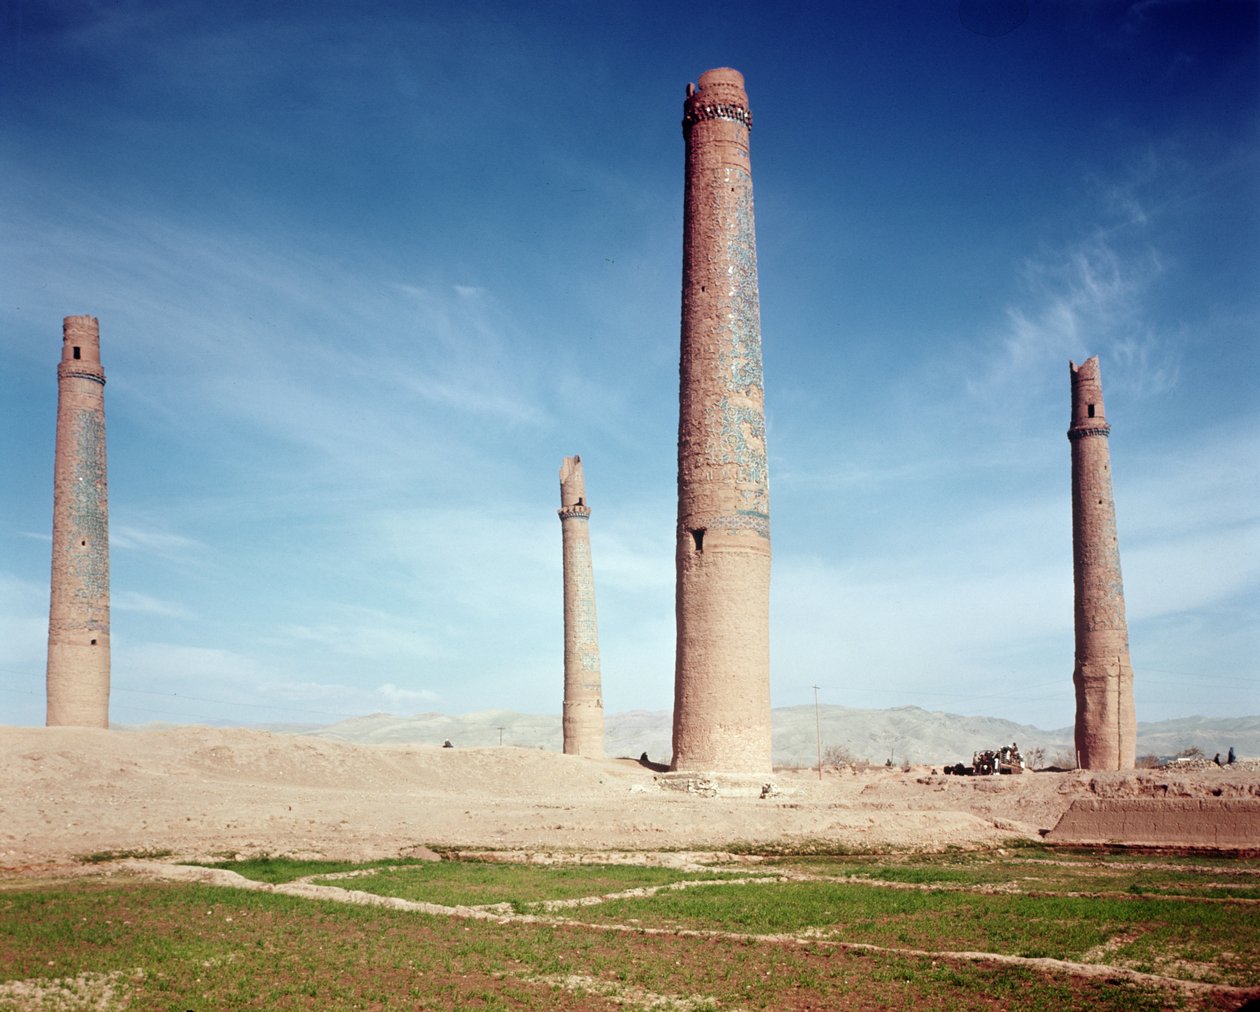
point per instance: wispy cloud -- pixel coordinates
(23, 627)
(130, 600)
(154, 541)
(464, 349)
(1098, 292)
(342, 698)
(367, 636)
(1188, 513)
(397, 695)
(167, 666)
(1086, 299)
(1198, 570)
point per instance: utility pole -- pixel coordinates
(818, 728)
(500, 730)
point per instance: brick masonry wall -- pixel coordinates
(583, 719)
(78, 617)
(722, 673)
(1106, 721)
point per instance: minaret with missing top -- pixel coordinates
(583, 700)
(78, 616)
(722, 559)
(1106, 722)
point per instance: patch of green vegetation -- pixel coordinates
(193, 946)
(279, 868)
(1062, 927)
(176, 945)
(793, 848)
(1207, 890)
(1037, 871)
(474, 883)
(104, 856)
(917, 875)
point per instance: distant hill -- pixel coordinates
(903, 733)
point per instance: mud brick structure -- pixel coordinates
(583, 699)
(78, 616)
(722, 603)
(1211, 823)
(1106, 722)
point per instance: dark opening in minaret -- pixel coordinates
(1091, 411)
(698, 536)
(76, 351)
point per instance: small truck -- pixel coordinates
(992, 761)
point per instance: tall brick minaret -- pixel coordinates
(78, 616)
(1106, 722)
(722, 666)
(583, 700)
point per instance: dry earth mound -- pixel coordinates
(197, 791)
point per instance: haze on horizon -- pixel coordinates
(366, 273)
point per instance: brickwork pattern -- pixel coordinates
(583, 718)
(1106, 721)
(78, 616)
(722, 672)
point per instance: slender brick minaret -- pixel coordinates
(78, 615)
(1106, 722)
(583, 702)
(722, 667)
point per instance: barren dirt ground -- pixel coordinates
(198, 792)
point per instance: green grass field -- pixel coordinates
(958, 930)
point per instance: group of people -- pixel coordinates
(1228, 762)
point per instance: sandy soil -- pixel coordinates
(197, 792)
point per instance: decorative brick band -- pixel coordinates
(84, 375)
(1075, 434)
(729, 523)
(574, 513)
(716, 110)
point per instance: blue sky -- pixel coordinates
(367, 272)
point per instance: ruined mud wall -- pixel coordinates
(1216, 823)
(583, 718)
(78, 617)
(722, 672)
(1106, 722)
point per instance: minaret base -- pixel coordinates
(715, 784)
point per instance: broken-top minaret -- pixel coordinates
(583, 718)
(722, 602)
(1106, 722)
(78, 616)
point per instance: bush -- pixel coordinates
(839, 757)
(1064, 761)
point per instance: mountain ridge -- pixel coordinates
(900, 734)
